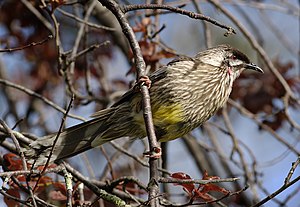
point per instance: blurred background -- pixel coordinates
(52, 49)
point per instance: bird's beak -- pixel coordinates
(252, 66)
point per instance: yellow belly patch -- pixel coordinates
(170, 114)
(167, 118)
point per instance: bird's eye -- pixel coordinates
(233, 57)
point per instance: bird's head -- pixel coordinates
(228, 60)
(235, 62)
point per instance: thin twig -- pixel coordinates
(193, 15)
(6, 195)
(99, 192)
(292, 170)
(286, 111)
(32, 44)
(85, 22)
(277, 192)
(196, 181)
(236, 147)
(267, 6)
(214, 201)
(207, 30)
(109, 163)
(54, 142)
(115, 157)
(62, 124)
(69, 187)
(125, 180)
(281, 35)
(135, 157)
(16, 142)
(30, 172)
(80, 34)
(42, 98)
(39, 16)
(21, 154)
(86, 50)
(250, 115)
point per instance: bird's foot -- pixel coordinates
(144, 80)
(155, 153)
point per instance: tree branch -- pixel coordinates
(140, 67)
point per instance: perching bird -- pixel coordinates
(184, 94)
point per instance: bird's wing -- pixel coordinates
(158, 74)
(180, 58)
(154, 77)
(102, 114)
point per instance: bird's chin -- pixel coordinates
(237, 73)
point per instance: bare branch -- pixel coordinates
(277, 192)
(36, 95)
(27, 46)
(193, 15)
(140, 66)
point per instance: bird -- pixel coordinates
(184, 94)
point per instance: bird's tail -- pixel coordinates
(72, 141)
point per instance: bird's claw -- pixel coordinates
(155, 153)
(144, 80)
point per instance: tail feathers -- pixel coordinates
(70, 142)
